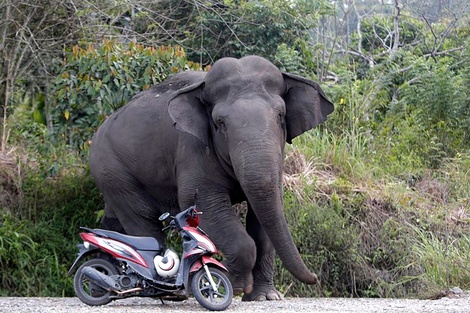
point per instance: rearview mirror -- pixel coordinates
(164, 216)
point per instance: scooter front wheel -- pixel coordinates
(214, 299)
(87, 291)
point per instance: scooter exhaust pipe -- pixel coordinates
(100, 279)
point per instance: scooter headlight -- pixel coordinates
(86, 244)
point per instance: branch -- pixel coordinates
(368, 58)
(446, 52)
(438, 42)
(396, 28)
(380, 39)
(358, 28)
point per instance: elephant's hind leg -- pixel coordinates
(133, 211)
(110, 222)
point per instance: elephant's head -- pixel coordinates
(246, 110)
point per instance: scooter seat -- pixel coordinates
(139, 243)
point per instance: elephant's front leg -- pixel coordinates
(263, 272)
(220, 221)
(237, 246)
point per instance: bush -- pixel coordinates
(36, 252)
(93, 82)
(326, 244)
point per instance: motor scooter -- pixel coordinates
(121, 266)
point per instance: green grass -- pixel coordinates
(339, 153)
(38, 238)
(445, 261)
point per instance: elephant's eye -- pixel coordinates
(282, 119)
(220, 123)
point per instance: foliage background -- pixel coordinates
(381, 190)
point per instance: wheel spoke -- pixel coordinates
(220, 294)
(215, 293)
(207, 289)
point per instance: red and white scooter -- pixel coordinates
(124, 266)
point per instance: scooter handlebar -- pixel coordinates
(184, 218)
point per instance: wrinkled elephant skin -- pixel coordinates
(223, 134)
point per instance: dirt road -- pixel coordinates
(460, 304)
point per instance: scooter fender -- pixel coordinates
(205, 259)
(82, 253)
(196, 266)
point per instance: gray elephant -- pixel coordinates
(223, 134)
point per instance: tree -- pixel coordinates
(33, 32)
(207, 30)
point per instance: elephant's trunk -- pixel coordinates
(259, 171)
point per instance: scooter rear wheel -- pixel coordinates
(214, 300)
(88, 292)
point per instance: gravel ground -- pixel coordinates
(451, 304)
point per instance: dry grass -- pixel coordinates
(298, 173)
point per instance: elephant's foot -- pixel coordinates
(241, 286)
(263, 293)
(237, 291)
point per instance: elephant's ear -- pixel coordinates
(306, 105)
(188, 112)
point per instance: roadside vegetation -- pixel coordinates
(377, 198)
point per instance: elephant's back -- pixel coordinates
(145, 115)
(131, 126)
(140, 134)
(153, 100)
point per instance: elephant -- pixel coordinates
(222, 133)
